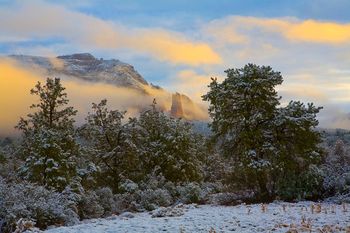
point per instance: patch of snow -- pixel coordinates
(274, 217)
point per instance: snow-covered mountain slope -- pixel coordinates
(87, 67)
(275, 217)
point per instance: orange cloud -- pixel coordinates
(172, 46)
(14, 94)
(15, 99)
(323, 32)
(192, 84)
(237, 29)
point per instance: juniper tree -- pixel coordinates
(110, 145)
(168, 146)
(48, 146)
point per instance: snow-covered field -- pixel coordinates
(274, 217)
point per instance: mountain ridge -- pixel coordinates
(86, 67)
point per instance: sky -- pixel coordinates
(181, 44)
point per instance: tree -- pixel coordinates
(297, 143)
(168, 146)
(247, 123)
(49, 146)
(336, 169)
(110, 146)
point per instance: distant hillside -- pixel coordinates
(332, 135)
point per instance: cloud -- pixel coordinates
(322, 32)
(304, 91)
(191, 83)
(170, 46)
(16, 82)
(234, 29)
(14, 85)
(333, 116)
(35, 20)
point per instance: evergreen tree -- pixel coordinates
(243, 108)
(110, 146)
(339, 149)
(255, 133)
(49, 146)
(298, 150)
(169, 147)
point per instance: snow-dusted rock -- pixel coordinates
(127, 215)
(168, 212)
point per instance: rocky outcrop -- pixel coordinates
(176, 106)
(183, 107)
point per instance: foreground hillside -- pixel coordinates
(275, 217)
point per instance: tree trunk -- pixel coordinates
(264, 194)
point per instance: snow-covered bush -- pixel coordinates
(216, 167)
(224, 199)
(146, 196)
(152, 199)
(190, 193)
(106, 200)
(336, 170)
(306, 185)
(128, 186)
(90, 203)
(126, 202)
(8, 159)
(340, 198)
(32, 202)
(89, 206)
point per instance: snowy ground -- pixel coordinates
(275, 217)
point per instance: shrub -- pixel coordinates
(191, 193)
(106, 200)
(152, 199)
(89, 206)
(32, 202)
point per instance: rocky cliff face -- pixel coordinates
(176, 106)
(182, 106)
